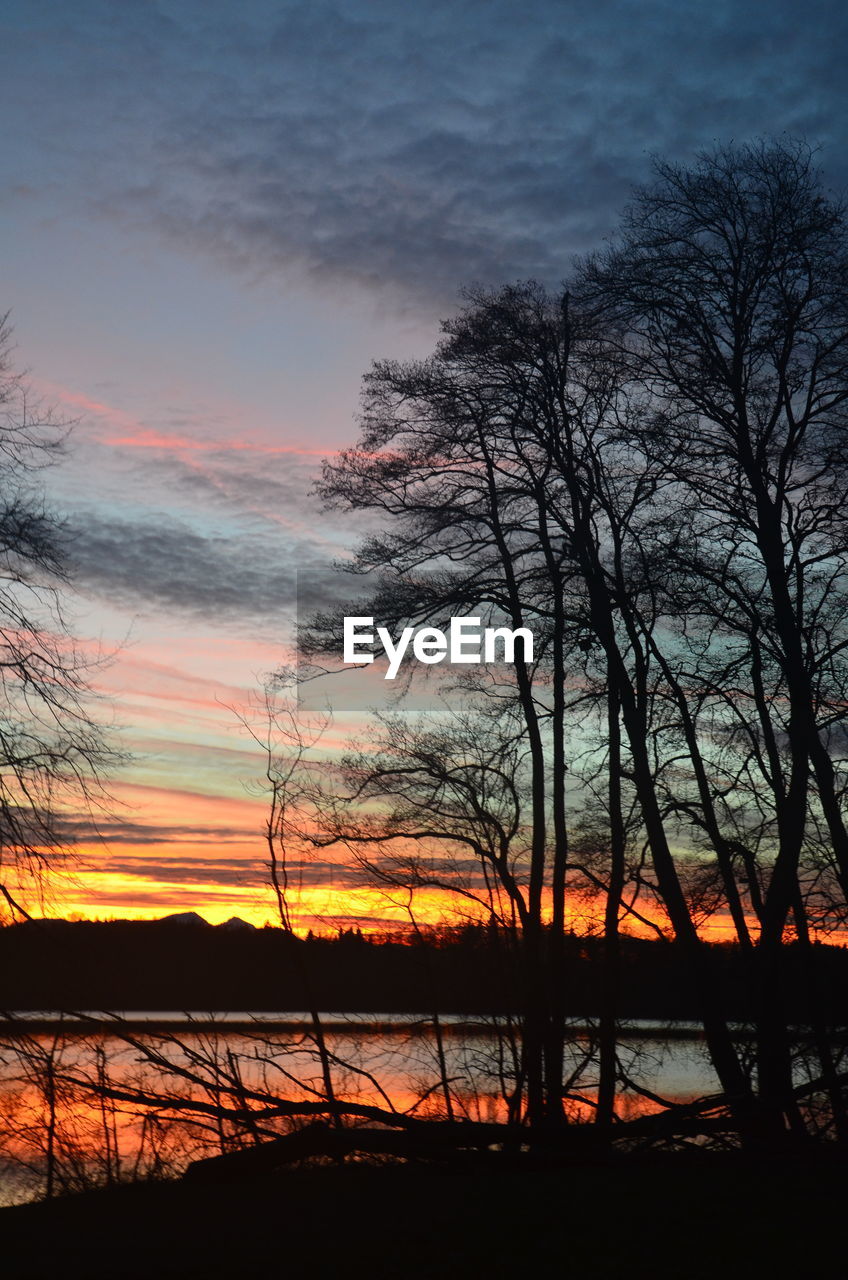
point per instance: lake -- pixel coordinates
(144, 1094)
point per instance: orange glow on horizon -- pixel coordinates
(324, 906)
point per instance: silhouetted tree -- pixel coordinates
(729, 287)
(52, 752)
(649, 470)
(512, 453)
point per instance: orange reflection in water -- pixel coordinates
(176, 1097)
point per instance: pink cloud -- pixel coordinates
(126, 431)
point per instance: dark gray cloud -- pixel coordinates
(249, 521)
(229, 871)
(200, 871)
(162, 562)
(116, 831)
(399, 147)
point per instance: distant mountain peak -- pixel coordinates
(236, 922)
(184, 917)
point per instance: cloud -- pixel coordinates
(248, 522)
(204, 871)
(114, 831)
(401, 149)
(99, 898)
(248, 518)
(165, 563)
(212, 870)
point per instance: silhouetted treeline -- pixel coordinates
(159, 965)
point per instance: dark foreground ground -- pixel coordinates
(665, 1218)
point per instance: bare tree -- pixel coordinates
(52, 751)
(729, 287)
(512, 454)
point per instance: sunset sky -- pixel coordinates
(214, 217)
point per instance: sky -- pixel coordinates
(214, 217)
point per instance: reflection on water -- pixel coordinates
(94, 1104)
